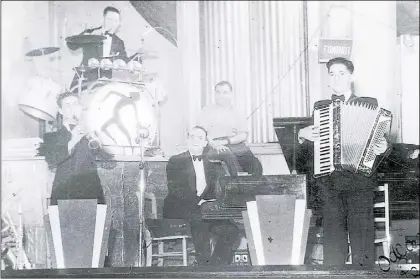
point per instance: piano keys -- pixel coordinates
(234, 193)
(323, 149)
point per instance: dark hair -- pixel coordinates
(200, 128)
(340, 60)
(224, 82)
(65, 95)
(111, 9)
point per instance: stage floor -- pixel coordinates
(347, 271)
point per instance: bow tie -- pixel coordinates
(339, 97)
(199, 157)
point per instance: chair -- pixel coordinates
(381, 236)
(150, 235)
(384, 238)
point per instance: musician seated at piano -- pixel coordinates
(112, 47)
(227, 133)
(68, 152)
(347, 196)
(192, 182)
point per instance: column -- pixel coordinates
(375, 54)
(188, 23)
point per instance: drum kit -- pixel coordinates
(119, 109)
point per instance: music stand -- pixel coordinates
(287, 130)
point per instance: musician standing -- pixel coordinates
(112, 46)
(191, 182)
(227, 133)
(67, 152)
(347, 197)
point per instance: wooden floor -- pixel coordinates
(212, 272)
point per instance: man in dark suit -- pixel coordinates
(347, 197)
(67, 152)
(191, 182)
(112, 46)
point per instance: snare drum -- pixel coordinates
(117, 113)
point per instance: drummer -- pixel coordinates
(112, 47)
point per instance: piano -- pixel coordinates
(233, 193)
(299, 157)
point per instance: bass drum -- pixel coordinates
(117, 113)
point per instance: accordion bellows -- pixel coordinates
(348, 134)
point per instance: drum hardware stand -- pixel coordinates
(122, 81)
(143, 133)
(295, 139)
(80, 81)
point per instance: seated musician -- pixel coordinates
(67, 152)
(191, 182)
(227, 133)
(347, 197)
(112, 46)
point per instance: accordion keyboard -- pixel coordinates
(323, 149)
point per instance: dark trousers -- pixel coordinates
(225, 234)
(238, 157)
(348, 206)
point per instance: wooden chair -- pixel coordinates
(150, 238)
(384, 238)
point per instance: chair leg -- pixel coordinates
(349, 259)
(149, 249)
(184, 252)
(160, 247)
(385, 247)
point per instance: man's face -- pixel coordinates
(224, 95)
(340, 78)
(196, 141)
(71, 109)
(111, 22)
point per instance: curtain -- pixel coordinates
(159, 14)
(257, 46)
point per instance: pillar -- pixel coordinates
(375, 54)
(188, 24)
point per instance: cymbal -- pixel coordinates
(42, 51)
(85, 39)
(149, 76)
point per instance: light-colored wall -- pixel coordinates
(372, 27)
(24, 27)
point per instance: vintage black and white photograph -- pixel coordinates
(210, 139)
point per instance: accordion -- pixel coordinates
(348, 134)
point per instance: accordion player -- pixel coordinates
(348, 133)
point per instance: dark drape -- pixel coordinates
(159, 14)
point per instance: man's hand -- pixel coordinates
(203, 201)
(310, 133)
(218, 145)
(380, 147)
(76, 135)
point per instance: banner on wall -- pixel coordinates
(331, 48)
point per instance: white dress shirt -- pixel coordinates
(107, 46)
(200, 176)
(347, 95)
